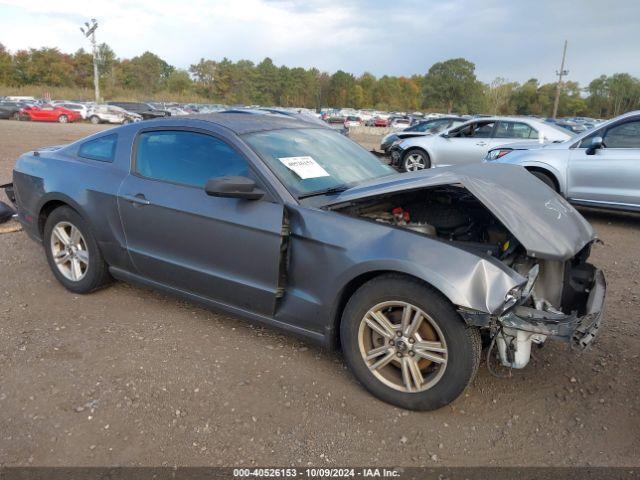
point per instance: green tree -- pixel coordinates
(450, 85)
(204, 73)
(179, 81)
(147, 73)
(5, 66)
(340, 87)
(267, 78)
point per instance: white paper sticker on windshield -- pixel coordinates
(305, 167)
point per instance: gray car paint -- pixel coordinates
(554, 230)
(225, 252)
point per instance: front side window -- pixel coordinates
(310, 160)
(626, 135)
(474, 130)
(102, 149)
(187, 158)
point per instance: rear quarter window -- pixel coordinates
(102, 149)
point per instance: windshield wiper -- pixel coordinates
(326, 191)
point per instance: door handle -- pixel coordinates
(138, 199)
(481, 144)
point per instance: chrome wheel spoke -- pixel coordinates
(75, 236)
(83, 256)
(76, 269)
(416, 374)
(376, 352)
(431, 355)
(381, 324)
(61, 235)
(411, 375)
(407, 311)
(411, 330)
(430, 346)
(383, 361)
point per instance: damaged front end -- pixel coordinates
(504, 215)
(573, 316)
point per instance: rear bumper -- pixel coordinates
(578, 330)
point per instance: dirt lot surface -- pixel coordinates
(126, 376)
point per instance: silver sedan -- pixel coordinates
(600, 167)
(470, 142)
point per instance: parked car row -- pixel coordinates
(598, 167)
(470, 141)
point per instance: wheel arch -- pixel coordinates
(547, 172)
(51, 202)
(347, 291)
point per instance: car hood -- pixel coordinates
(542, 221)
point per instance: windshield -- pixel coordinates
(315, 160)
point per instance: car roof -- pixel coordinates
(241, 123)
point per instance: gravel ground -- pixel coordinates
(126, 376)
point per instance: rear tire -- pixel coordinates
(546, 179)
(63, 119)
(79, 245)
(414, 160)
(94, 119)
(440, 379)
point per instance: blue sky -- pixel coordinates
(516, 39)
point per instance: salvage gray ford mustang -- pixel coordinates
(291, 224)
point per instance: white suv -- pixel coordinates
(112, 114)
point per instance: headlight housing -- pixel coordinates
(397, 141)
(497, 153)
(512, 298)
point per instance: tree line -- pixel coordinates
(448, 86)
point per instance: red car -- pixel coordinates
(380, 122)
(49, 113)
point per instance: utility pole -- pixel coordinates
(90, 33)
(560, 73)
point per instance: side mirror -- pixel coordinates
(233, 187)
(445, 135)
(596, 143)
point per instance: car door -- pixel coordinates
(611, 175)
(37, 114)
(223, 249)
(466, 144)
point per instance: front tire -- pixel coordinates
(406, 343)
(94, 119)
(415, 159)
(63, 119)
(73, 253)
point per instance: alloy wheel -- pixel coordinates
(414, 162)
(69, 250)
(402, 346)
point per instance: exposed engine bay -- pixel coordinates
(555, 297)
(449, 213)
